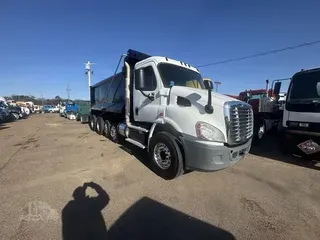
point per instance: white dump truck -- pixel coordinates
(301, 115)
(164, 106)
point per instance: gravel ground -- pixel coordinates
(45, 158)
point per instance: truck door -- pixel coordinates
(145, 100)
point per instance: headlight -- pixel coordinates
(208, 132)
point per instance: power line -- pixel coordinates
(262, 54)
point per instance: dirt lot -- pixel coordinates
(43, 160)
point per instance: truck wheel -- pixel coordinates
(16, 116)
(106, 129)
(114, 135)
(81, 119)
(92, 122)
(100, 125)
(166, 157)
(260, 129)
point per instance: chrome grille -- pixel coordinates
(239, 122)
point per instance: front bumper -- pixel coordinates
(208, 156)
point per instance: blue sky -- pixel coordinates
(44, 43)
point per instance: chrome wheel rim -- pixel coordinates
(98, 127)
(261, 131)
(162, 156)
(91, 122)
(113, 132)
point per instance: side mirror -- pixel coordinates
(247, 96)
(277, 87)
(140, 83)
(207, 84)
(318, 88)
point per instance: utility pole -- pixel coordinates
(217, 85)
(89, 72)
(68, 92)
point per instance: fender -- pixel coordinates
(168, 121)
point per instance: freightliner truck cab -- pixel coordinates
(164, 106)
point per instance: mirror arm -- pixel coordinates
(149, 96)
(208, 108)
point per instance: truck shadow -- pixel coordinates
(137, 152)
(268, 147)
(3, 126)
(149, 219)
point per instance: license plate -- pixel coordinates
(309, 147)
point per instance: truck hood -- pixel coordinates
(200, 95)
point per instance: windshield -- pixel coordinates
(304, 86)
(258, 96)
(181, 76)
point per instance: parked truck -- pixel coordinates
(83, 112)
(267, 105)
(164, 106)
(71, 110)
(301, 116)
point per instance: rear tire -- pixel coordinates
(16, 116)
(100, 126)
(114, 135)
(166, 156)
(92, 122)
(106, 129)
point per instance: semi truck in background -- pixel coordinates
(83, 111)
(301, 115)
(164, 106)
(267, 105)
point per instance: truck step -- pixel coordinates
(138, 128)
(136, 143)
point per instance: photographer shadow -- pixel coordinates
(145, 219)
(82, 217)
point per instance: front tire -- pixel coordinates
(166, 156)
(260, 129)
